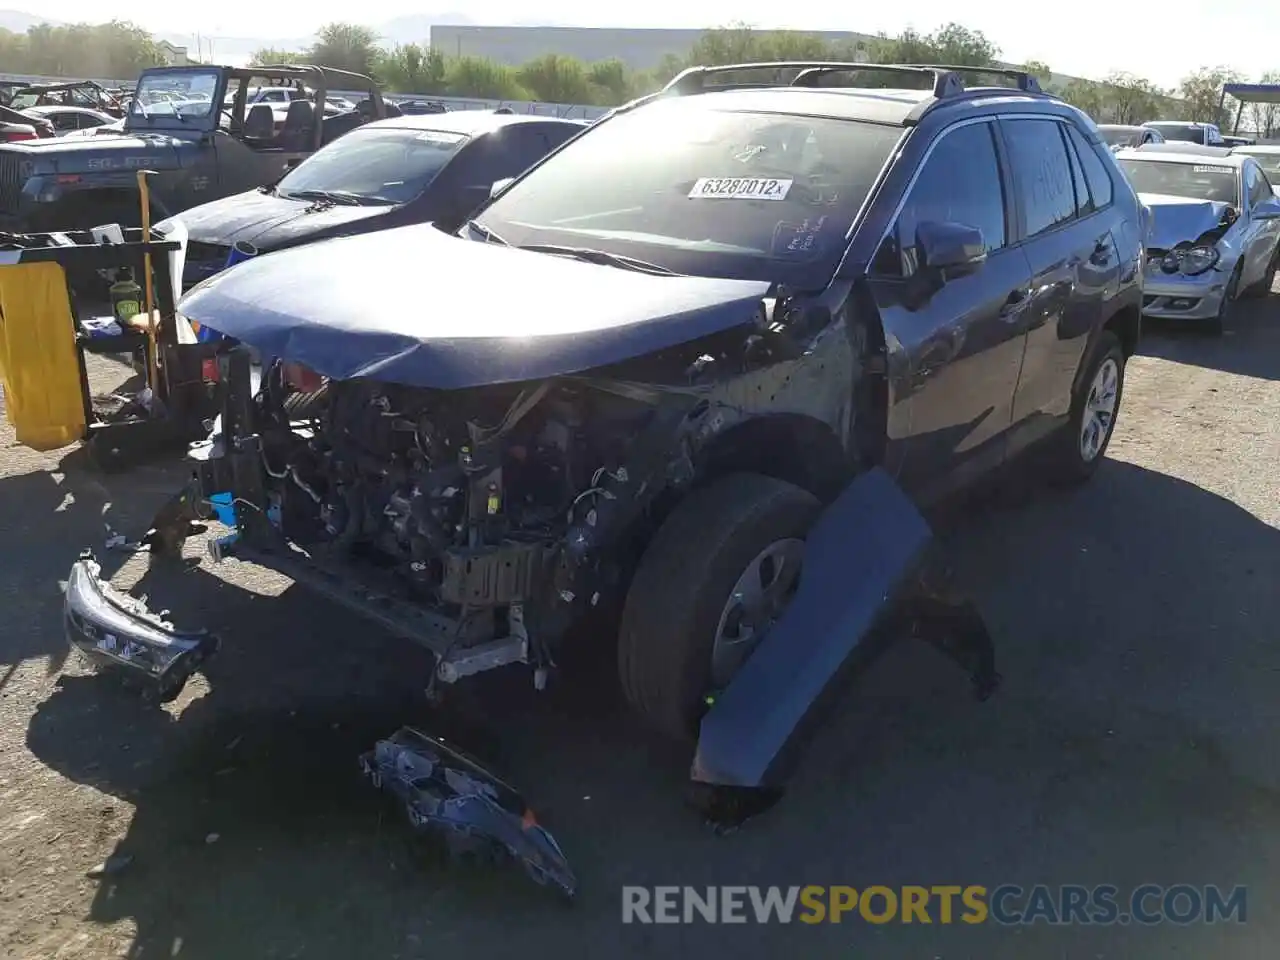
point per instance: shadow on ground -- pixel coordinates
(1091, 765)
(51, 516)
(1250, 347)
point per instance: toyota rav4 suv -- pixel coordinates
(651, 371)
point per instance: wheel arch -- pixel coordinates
(1126, 324)
(794, 448)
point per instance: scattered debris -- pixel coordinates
(212, 838)
(446, 792)
(114, 864)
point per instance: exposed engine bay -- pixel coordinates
(468, 501)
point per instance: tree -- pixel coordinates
(1201, 94)
(953, 44)
(610, 82)
(484, 79)
(410, 69)
(272, 57)
(1264, 117)
(345, 46)
(1127, 99)
(556, 78)
(1086, 95)
(963, 47)
(118, 50)
(1038, 69)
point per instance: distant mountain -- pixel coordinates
(19, 22)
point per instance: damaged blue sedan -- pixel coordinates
(698, 367)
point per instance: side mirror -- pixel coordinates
(1268, 209)
(948, 249)
(500, 185)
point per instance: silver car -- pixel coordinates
(1268, 157)
(1214, 231)
(1118, 135)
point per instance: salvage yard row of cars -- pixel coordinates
(733, 331)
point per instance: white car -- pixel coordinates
(1204, 134)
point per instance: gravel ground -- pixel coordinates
(1133, 741)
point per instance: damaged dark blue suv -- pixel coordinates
(692, 369)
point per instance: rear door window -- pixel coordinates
(1038, 156)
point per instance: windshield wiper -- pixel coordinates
(489, 235)
(602, 257)
(333, 196)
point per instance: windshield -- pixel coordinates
(704, 191)
(1195, 181)
(1182, 132)
(1121, 136)
(184, 93)
(385, 165)
(1269, 160)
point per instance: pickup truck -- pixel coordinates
(207, 144)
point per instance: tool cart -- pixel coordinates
(44, 340)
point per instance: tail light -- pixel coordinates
(13, 136)
(302, 379)
(209, 370)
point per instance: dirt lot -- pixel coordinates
(1134, 740)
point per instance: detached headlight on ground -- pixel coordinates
(1190, 261)
(114, 630)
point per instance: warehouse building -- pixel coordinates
(639, 49)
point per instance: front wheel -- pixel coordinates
(1263, 287)
(1217, 324)
(1083, 443)
(714, 579)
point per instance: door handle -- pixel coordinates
(1101, 255)
(1014, 303)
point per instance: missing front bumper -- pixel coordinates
(118, 633)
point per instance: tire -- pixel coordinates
(1072, 462)
(1217, 324)
(684, 580)
(1262, 288)
(305, 406)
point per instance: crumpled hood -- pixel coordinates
(416, 306)
(149, 151)
(268, 221)
(1176, 220)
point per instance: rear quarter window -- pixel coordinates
(1101, 186)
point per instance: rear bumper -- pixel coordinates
(116, 632)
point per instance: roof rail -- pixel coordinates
(945, 83)
(1026, 82)
(694, 79)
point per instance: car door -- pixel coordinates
(1075, 267)
(955, 351)
(1260, 236)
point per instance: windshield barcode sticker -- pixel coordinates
(740, 188)
(1204, 169)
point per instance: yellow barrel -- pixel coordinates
(38, 360)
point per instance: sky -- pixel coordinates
(1160, 41)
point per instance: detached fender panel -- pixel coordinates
(860, 556)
